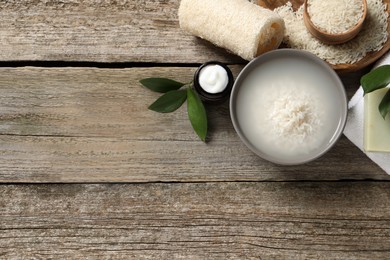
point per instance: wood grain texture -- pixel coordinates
(112, 31)
(216, 200)
(321, 220)
(93, 125)
(100, 31)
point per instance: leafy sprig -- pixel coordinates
(161, 85)
(197, 114)
(174, 97)
(169, 102)
(377, 79)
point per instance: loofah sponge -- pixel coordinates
(239, 26)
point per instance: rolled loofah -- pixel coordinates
(239, 26)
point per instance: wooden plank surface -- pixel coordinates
(269, 220)
(187, 199)
(100, 31)
(93, 125)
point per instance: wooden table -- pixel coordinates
(88, 172)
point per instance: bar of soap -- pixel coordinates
(239, 26)
(376, 130)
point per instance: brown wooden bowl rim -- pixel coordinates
(353, 30)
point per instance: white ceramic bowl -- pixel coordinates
(291, 68)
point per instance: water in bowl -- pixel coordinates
(289, 108)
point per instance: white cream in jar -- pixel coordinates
(213, 79)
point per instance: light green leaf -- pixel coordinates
(376, 79)
(384, 106)
(169, 102)
(197, 114)
(161, 85)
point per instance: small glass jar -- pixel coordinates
(213, 98)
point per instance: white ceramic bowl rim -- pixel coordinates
(288, 53)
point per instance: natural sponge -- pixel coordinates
(243, 28)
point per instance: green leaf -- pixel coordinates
(161, 85)
(384, 106)
(169, 102)
(376, 79)
(197, 114)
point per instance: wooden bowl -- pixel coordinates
(341, 67)
(333, 38)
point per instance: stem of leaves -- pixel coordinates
(174, 97)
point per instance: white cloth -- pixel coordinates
(355, 121)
